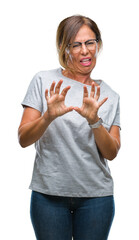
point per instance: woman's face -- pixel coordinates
(82, 59)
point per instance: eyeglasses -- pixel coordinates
(90, 44)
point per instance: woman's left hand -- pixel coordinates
(90, 104)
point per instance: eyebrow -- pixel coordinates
(85, 41)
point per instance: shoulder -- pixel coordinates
(42, 77)
(47, 73)
(109, 91)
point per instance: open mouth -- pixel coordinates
(85, 61)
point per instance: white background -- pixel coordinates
(27, 45)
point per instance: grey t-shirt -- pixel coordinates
(67, 161)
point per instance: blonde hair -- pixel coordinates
(66, 32)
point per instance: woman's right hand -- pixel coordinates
(33, 125)
(56, 101)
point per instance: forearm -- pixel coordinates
(30, 132)
(106, 143)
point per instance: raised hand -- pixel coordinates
(56, 101)
(90, 104)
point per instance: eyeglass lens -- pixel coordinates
(90, 44)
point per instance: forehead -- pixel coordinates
(84, 34)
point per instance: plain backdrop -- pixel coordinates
(27, 45)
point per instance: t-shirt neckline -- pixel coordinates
(98, 81)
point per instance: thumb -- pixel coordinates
(69, 109)
(77, 109)
(103, 101)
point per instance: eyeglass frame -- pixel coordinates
(80, 43)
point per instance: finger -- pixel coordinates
(77, 109)
(52, 89)
(92, 94)
(46, 94)
(65, 90)
(85, 95)
(103, 101)
(97, 93)
(69, 109)
(58, 86)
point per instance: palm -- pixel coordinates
(56, 105)
(90, 104)
(56, 102)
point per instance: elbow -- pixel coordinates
(21, 139)
(22, 143)
(113, 153)
(111, 157)
(24, 140)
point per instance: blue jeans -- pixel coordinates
(61, 218)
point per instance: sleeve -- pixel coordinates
(116, 120)
(33, 97)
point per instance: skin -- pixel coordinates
(79, 72)
(33, 125)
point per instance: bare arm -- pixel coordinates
(33, 125)
(108, 142)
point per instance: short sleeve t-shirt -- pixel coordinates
(68, 162)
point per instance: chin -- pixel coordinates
(87, 70)
(77, 68)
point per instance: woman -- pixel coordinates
(74, 122)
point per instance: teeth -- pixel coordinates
(86, 60)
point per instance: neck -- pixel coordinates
(83, 78)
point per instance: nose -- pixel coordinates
(84, 49)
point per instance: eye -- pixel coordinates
(91, 43)
(76, 45)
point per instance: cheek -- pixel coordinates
(74, 60)
(75, 57)
(93, 61)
